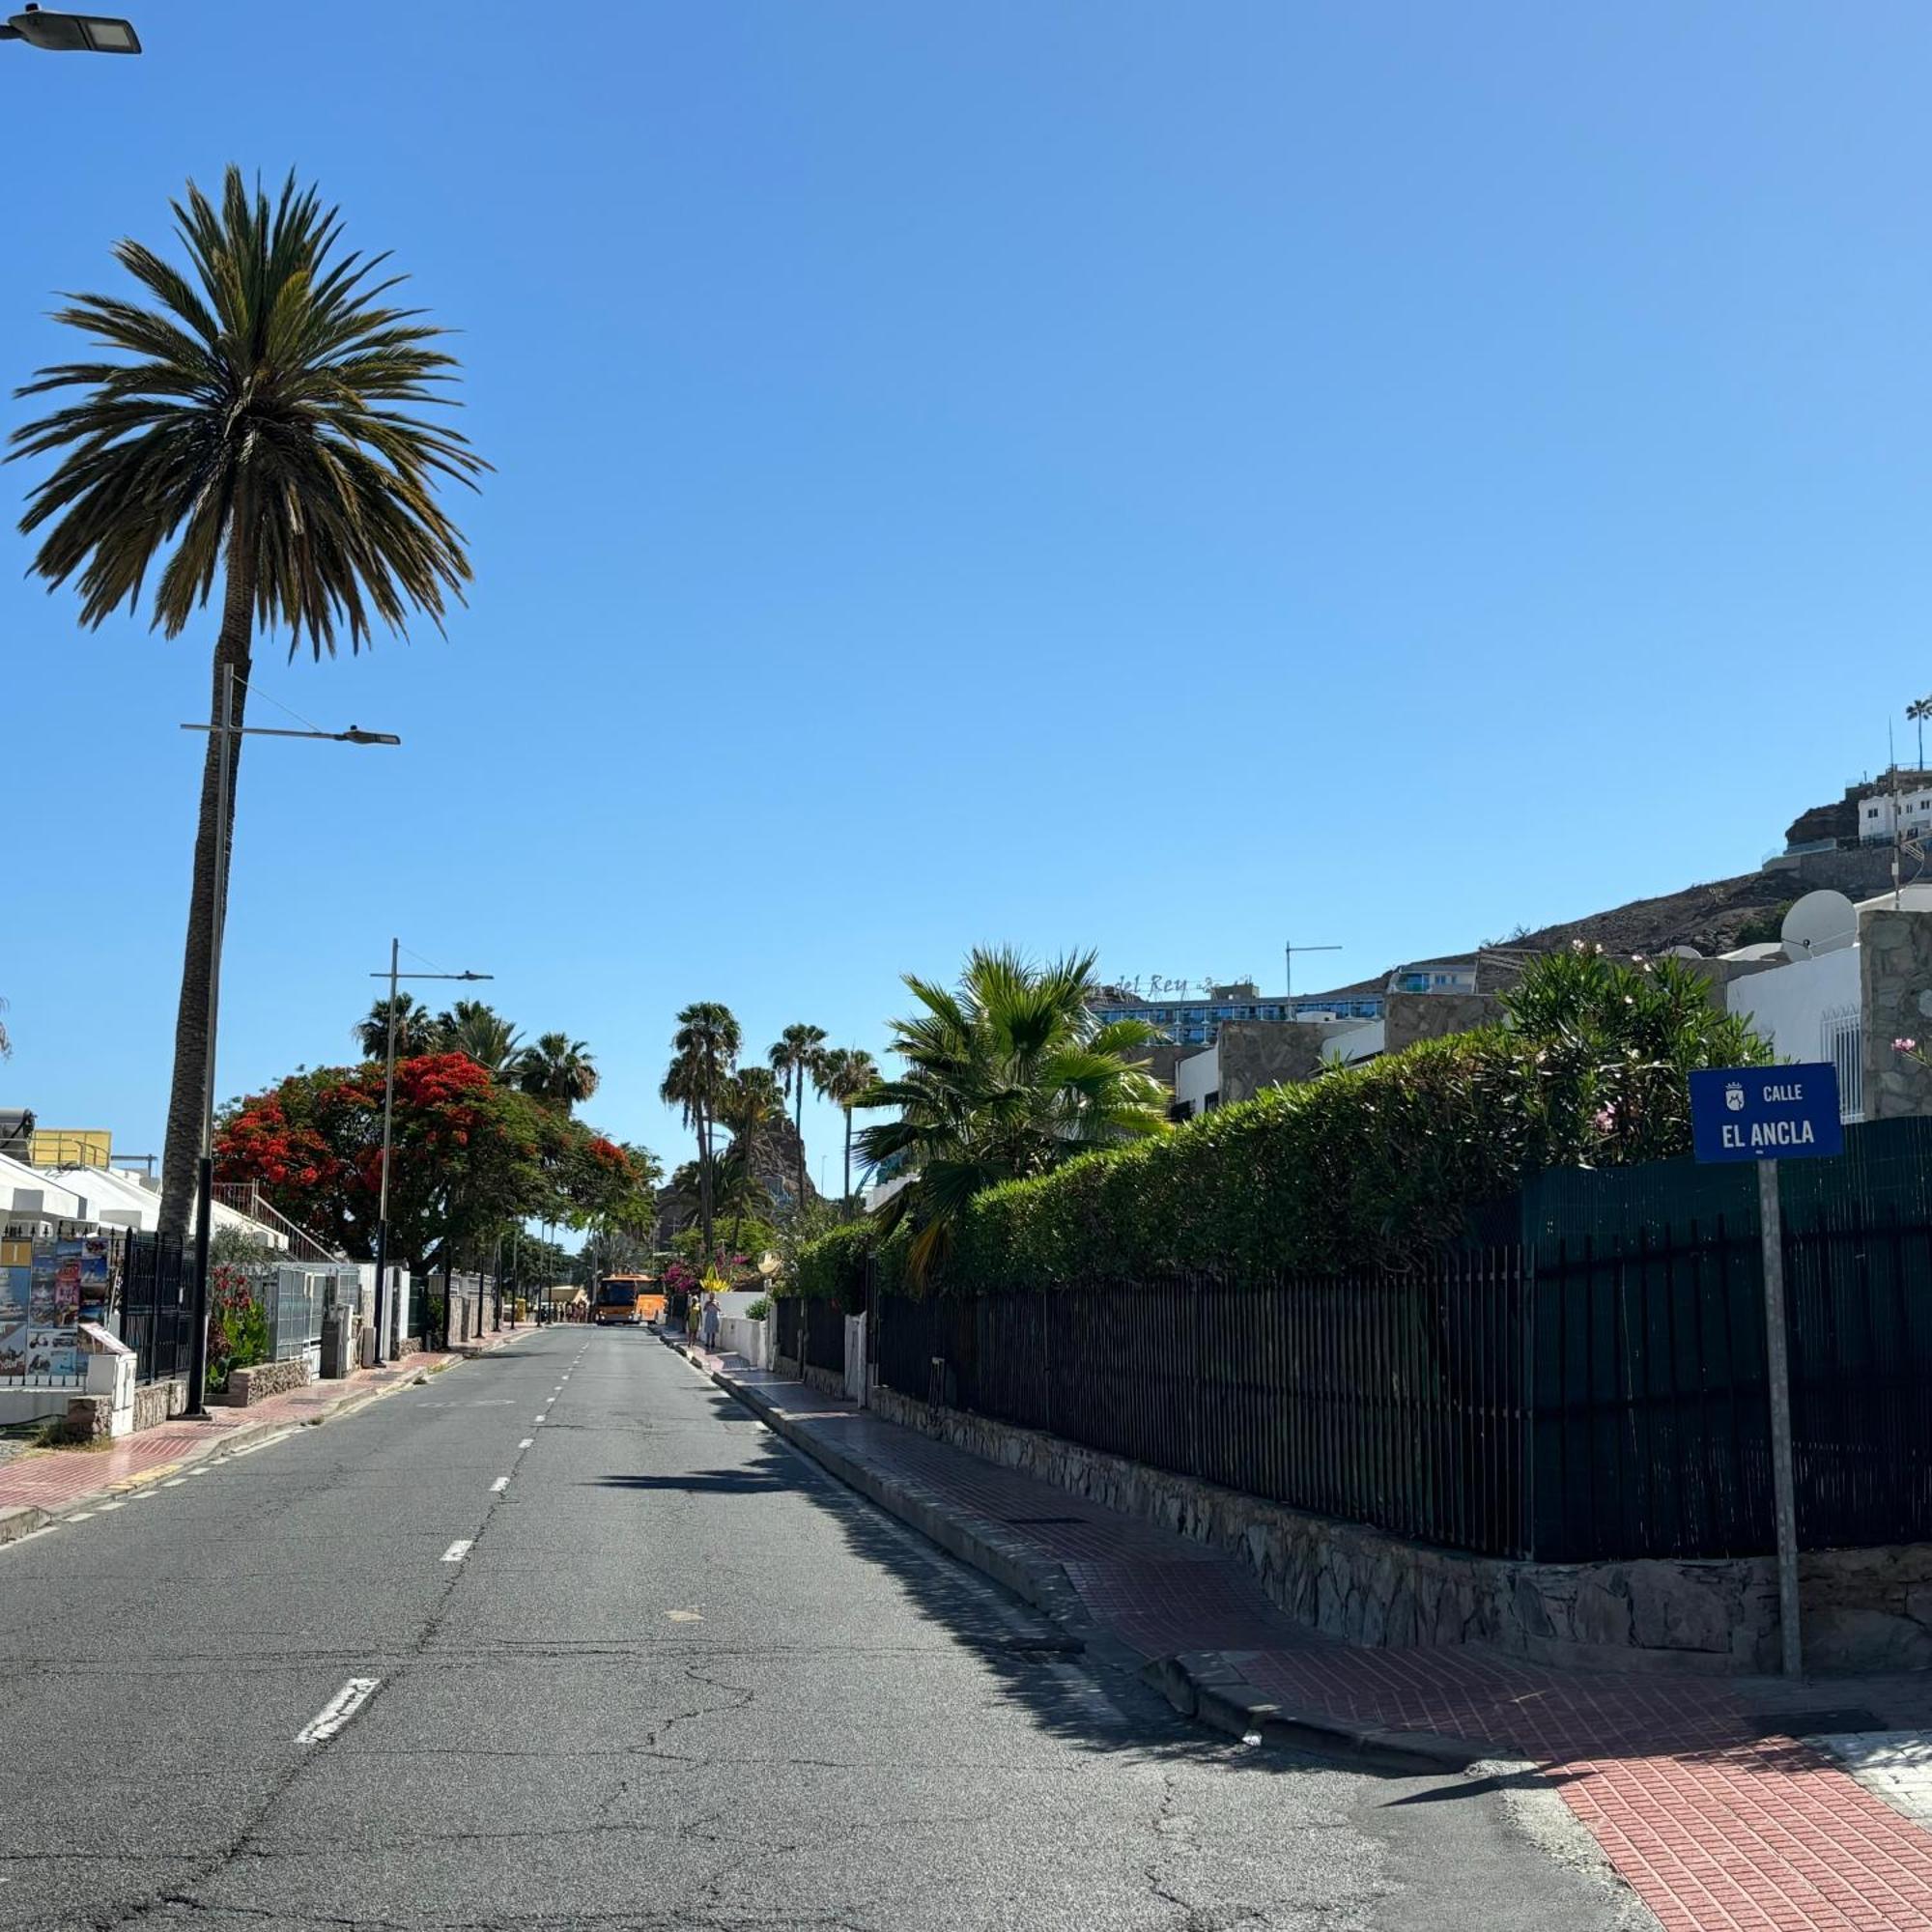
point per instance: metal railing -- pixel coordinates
(244, 1196)
(1587, 1385)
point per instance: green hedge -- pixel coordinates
(833, 1267)
(1373, 1165)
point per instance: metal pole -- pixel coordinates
(204, 1189)
(382, 1204)
(1778, 1372)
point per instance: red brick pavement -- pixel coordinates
(1717, 1821)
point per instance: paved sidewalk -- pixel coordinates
(42, 1484)
(1703, 1792)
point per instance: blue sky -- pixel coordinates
(1164, 479)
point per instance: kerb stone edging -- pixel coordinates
(1208, 1686)
(22, 1519)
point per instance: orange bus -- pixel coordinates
(627, 1299)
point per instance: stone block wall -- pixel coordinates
(1409, 1018)
(1895, 990)
(247, 1386)
(1255, 1053)
(155, 1402)
(1863, 1610)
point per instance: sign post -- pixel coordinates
(1765, 1114)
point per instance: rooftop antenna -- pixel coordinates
(1897, 822)
(1289, 951)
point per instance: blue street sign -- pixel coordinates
(1765, 1113)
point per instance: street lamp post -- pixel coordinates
(394, 978)
(227, 731)
(71, 33)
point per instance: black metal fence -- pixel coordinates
(1392, 1399)
(825, 1336)
(1594, 1389)
(789, 1309)
(155, 1300)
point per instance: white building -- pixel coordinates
(1886, 813)
(1808, 1002)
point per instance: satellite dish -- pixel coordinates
(1681, 952)
(1822, 921)
(1761, 948)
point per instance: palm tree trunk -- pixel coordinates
(798, 1133)
(845, 1199)
(181, 1150)
(704, 1177)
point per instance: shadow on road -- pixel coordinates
(1078, 1695)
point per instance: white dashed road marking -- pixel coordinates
(501, 1484)
(458, 1550)
(527, 1441)
(338, 1711)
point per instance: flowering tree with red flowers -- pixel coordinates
(469, 1157)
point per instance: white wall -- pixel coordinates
(1787, 1005)
(28, 1194)
(1198, 1076)
(1348, 1044)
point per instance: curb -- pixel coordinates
(22, 1519)
(1211, 1686)
(1208, 1687)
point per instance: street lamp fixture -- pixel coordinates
(227, 731)
(71, 33)
(394, 978)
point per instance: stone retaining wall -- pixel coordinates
(155, 1402)
(827, 1381)
(247, 1386)
(1868, 1610)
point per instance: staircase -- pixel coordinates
(244, 1196)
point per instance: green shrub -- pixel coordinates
(756, 1311)
(1372, 1165)
(833, 1267)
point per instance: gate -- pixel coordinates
(157, 1305)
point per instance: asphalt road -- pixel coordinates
(667, 1675)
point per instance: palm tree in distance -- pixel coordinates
(750, 1103)
(415, 1029)
(850, 1074)
(1918, 711)
(482, 1034)
(705, 1053)
(258, 427)
(1006, 1077)
(557, 1070)
(6, 1044)
(797, 1059)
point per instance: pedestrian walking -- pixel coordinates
(711, 1323)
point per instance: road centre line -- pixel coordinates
(338, 1711)
(527, 1441)
(501, 1484)
(459, 1550)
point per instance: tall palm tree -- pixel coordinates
(1918, 711)
(1004, 1077)
(796, 1059)
(850, 1074)
(257, 426)
(750, 1103)
(479, 1031)
(705, 1056)
(557, 1070)
(415, 1029)
(6, 1044)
